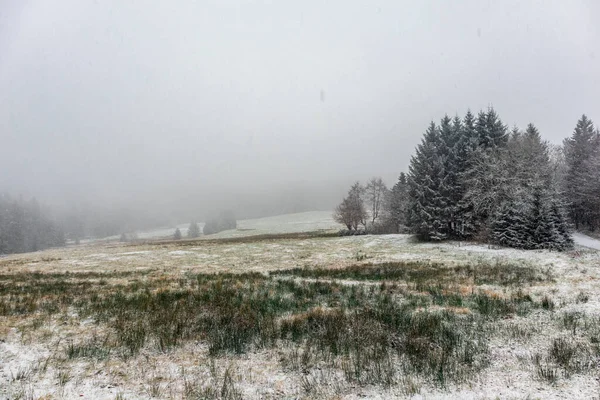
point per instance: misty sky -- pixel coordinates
(132, 98)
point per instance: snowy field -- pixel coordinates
(289, 223)
(45, 350)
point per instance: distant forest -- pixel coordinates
(474, 178)
(24, 227)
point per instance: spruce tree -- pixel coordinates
(491, 132)
(471, 176)
(177, 234)
(535, 166)
(539, 226)
(582, 147)
(486, 177)
(426, 172)
(510, 225)
(398, 203)
(562, 239)
(466, 152)
(450, 188)
(193, 230)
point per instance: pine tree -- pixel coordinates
(591, 186)
(492, 133)
(193, 230)
(510, 225)
(15, 229)
(450, 188)
(540, 227)
(466, 152)
(398, 203)
(535, 167)
(562, 239)
(472, 176)
(177, 234)
(486, 178)
(426, 172)
(580, 149)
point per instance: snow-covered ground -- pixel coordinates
(288, 223)
(510, 374)
(586, 241)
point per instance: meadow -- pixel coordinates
(299, 314)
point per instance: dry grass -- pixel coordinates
(289, 315)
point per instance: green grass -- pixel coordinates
(421, 273)
(373, 334)
(93, 348)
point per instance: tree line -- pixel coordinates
(474, 178)
(225, 220)
(25, 226)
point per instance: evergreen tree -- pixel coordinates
(427, 204)
(466, 153)
(510, 225)
(450, 188)
(224, 221)
(25, 227)
(193, 230)
(472, 176)
(491, 132)
(591, 186)
(539, 226)
(396, 204)
(486, 178)
(562, 239)
(535, 167)
(580, 151)
(177, 234)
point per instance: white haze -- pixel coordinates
(204, 104)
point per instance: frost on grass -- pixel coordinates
(275, 318)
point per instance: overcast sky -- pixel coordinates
(132, 98)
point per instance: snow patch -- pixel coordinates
(180, 252)
(586, 241)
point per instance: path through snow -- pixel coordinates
(586, 241)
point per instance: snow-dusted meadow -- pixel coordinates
(287, 223)
(34, 346)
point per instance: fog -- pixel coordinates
(181, 107)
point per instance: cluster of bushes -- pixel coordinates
(352, 232)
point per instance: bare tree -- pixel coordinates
(351, 212)
(343, 215)
(375, 193)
